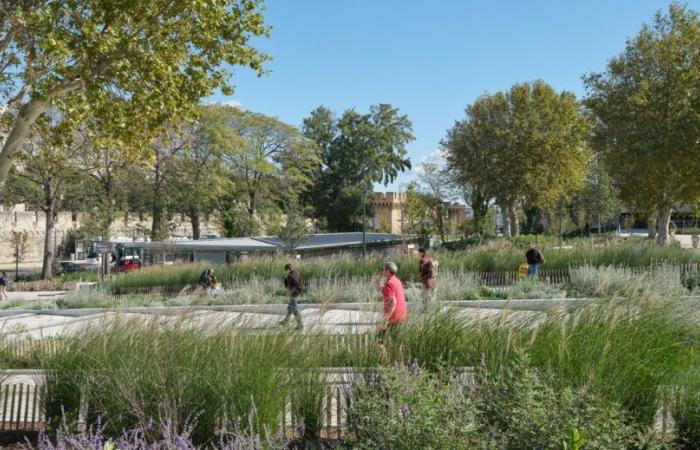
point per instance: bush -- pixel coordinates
(534, 289)
(523, 409)
(161, 436)
(405, 409)
(587, 281)
(516, 407)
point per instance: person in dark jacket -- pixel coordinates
(428, 277)
(295, 287)
(3, 286)
(534, 258)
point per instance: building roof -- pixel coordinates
(271, 244)
(333, 240)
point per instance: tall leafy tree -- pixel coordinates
(528, 143)
(598, 199)
(116, 61)
(109, 165)
(46, 178)
(438, 183)
(356, 150)
(647, 105)
(269, 160)
(196, 166)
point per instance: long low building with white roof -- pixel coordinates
(228, 250)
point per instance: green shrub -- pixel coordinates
(534, 289)
(587, 281)
(516, 408)
(404, 409)
(522, 408)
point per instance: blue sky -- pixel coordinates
(429, 58)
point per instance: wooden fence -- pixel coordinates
(22, 407)
(42, 285)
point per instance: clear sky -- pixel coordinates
(429, 58)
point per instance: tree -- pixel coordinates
(418, 214)
(270, 160)
(356, 150)
(45, 178)
(647, 105)
(19, 240)
(116, 61)
(528, 143)
(294, 231)
(438, 184)
(110, 166)
(197, 166)
(598, 198)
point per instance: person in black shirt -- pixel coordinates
(295, 287)
(3, 286)
(534, 258)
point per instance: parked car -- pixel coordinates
(127, 265)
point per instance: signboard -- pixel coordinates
(103, 247)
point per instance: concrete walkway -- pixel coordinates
(345, 318)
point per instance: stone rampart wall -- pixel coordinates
(34, 223)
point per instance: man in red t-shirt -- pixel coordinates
(395, 308)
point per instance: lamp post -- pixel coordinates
(364, 216)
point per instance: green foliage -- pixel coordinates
(528, 143)
(515, 407)
(646, 104)
(604, 281)
(268, 160)
(523, 408)
(404, 409)
(600, 369)
(356, 150)
(113, 61)
(492, 257)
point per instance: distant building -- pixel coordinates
(388, 211)
(229, 250)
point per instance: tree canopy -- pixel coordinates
(355, 150)
(647, 106)
(129, 66)
(528, 143)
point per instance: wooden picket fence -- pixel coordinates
(22, 407)
(24, 348)
(42, 285)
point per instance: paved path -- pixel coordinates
(346, 318)
(34, 296)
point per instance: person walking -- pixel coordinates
(428, 275)
(206, 279)
(3, 286)
(534, 258)
(295, 287)
(395, 308)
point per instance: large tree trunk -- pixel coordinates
(664, 220)
(653, 218)
(441, 222)
(157, 208)
(514, 224)
(25, 119)
(194, 219)
(480, 206)
(49, 241)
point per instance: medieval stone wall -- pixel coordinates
(34, 223)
